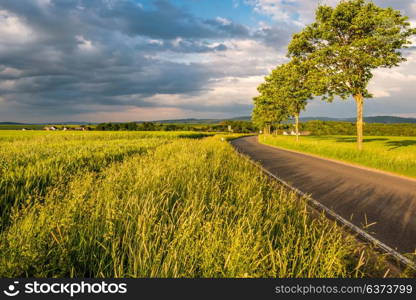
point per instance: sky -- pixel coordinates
(134, 60)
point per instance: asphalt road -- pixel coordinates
(358, 195)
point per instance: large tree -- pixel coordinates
(291, 84)
(346, 43)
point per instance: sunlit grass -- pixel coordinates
(157, 207)
(393, 154)
(33, 162)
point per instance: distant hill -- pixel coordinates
(68, 123)
(48, 123)
(185, 121)
(244, 118)
(376, 119)
(200, 121)
(11, 123)
(305, 119)
(386, 119)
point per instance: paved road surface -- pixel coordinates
(353, 193)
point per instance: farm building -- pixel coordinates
(53, 128)
(294, 133)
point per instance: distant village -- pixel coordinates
(294, 133)
(53, 128)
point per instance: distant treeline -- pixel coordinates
(314, 127)
(234, 126)
(348, 128)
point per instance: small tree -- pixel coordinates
(269, 107)
(346, 43)
(291, 85)
(263, 115)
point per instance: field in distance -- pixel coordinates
(156, 204)
(392, 154)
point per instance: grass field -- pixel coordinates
(21, 126)
(133, 204)
(392, 154)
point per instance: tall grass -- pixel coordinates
(190, 208)
(392, 154)
(58, 136)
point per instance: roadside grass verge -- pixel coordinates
(392, 154)
(190, 208)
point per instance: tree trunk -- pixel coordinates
(297, 127)
(359, 100)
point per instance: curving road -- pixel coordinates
(359, 195)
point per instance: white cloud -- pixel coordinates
(396, 81)
(10, 72)
(43, 2)
(223, 21)
(84, 44)
(13, 30)
(300, 12)
(7, 85)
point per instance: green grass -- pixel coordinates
(21, 126)
(58, 136)
(392, 154)
(33, 162)
(161, 205)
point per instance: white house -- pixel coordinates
(53, 128)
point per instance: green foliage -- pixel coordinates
(290, 83)
(31, 163)
(347, 42)
(268, 106)
(283, 94)
(266, 112)
(182, 208)
(237, 126)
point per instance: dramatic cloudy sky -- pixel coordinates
(123, 60)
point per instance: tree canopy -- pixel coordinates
(284, 94)
(336, 55)
(347, 42)
(269, 107)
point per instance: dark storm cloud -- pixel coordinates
(82, 53)
(181, 46)
(165, 21)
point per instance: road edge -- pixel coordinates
(333, 215)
